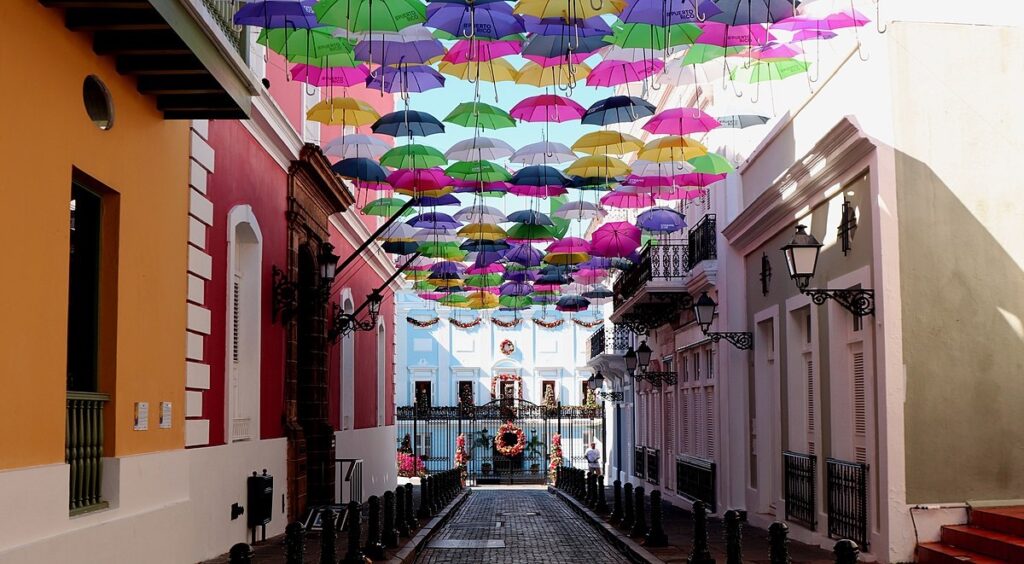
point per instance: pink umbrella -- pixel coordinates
(698, 179)
(569, 245)
(681, 121)
(614, 73)
(432, 296)
(538, 191)
(616, 199)
(547, 107)
(590, 275)
(837, 20)
(546, 62)
(547, 287)
(493, 268)
(772, 51)
(615, 239)
(635, 181)
(812, 35)
(724, 35)
(330, 76)
(417, 179)
(681, 193)
(466, 50)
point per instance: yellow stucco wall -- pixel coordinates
(46, 133)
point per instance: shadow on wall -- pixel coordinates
(963, 342)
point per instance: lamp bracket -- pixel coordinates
(857, 301)
(610, 396)
(344, 323)
(656, 378)
(661, 309)
(742, 340)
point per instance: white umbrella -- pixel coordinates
(399, 231)
(435, 236)
(631, 54)
(479, 149)
(579, 210)
(543, 152)
(678, 74)
(650, 168)
(356, 145)
(479, 213)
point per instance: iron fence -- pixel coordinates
(695, 479)
(653, 465)
(847, 493)
(702, 240)
(597, 342)
(800, 474)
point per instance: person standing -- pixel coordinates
(593, 457)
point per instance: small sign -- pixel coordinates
(165, 415)
(141, 416)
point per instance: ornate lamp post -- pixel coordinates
(704, 310)
(802, 260)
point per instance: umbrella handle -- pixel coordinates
(600, 4)
(696, 12)
(757, 94)
(878, 18)
(472, 23)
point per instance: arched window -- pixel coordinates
(242, 361)
(348, 366)
(382, 371)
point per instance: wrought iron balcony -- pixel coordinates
(702, 240)
(83, 450)
(653, 465)
(609, 339)
(665, 262)
(223, 12)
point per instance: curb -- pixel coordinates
(626, 545)
(418, 542)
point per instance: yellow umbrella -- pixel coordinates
(596, 166)
(416, 275)
(566, 258)
(343, 111)
(535, 75)
(445, 282)
(482, 231)
(425, 193)
(480, 300)
(495, 70)
(576, 9)
(607, 143)
(671, 148)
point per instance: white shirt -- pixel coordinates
(593, 457)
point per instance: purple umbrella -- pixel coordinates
(590, 27)
(520, 275)
(661, 220)
(572, 303)
(330, 76)
(433, 220)
(516, 289)
(446, 267)
(569, 245)
(405, 78)
(615, 239)
(596, 262)
(525, 255)
(446, 200)
(666, 12)
(484, 258)
(398, 52)
(491, 21)
(277, 14)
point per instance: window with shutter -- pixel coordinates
(684, 421)
(860, 416)
(809, 370)
(709, 422)
(242, 326)
(235, 306)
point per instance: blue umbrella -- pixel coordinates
(475, 246)
(572, 302)
(543, 299)
(553, 278)
(590, 182)
(525, 254)
(530, 217)
(539, 175)
(516, 289)
(525, 275)
(400, 247)
(618, 109)
(661, 220)
(360, 168)
(274, 14)
(407, 122)
(597, 292)
(561, 45)
(433, 220)
(446, 267)
(446, 200)
(742, 121)
(484, 258)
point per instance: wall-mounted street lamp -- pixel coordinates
(704, 310)
(643, 356)
(630, 360)
(344, 323)
(596, 382)
(285, 292)
(802, 260)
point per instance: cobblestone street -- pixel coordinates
(521, 525)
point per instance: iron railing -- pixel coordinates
(609, 339)
(83, 450)
(658, 261)
(800, 475)
(653, 465)
(846, 488)
(223, 12)
(703, 240)
(350, 471)
(639, 461)
(695, 479)
(597, 343)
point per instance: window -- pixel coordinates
(381, 372)
(548, 393)
(348, 366)
(242, 333)
(584, 388)
(423, 394)
(466, 396)
(98, 104)
(84, 290)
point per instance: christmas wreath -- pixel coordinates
(503, 440)
(588, 324)
(423, 324)
(506, 324)
(464, 324)
(548, 324)
(507, 347)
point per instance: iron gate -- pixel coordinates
(430, 432)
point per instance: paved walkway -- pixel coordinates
(517, 525)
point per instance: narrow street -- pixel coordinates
(520, 524)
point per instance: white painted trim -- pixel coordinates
(347, 362)
(382, 372)
(197, 432)
(769, 420)
(250, 338)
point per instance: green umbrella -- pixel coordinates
(454, 300)
(476, 114)
(480, 171)
(423, 286)
(515, 301)
(646, 36)
(370, 15)
(711, 163)
(530, 232)
(447, 251)
(301, 42)
(483, 280)
(344, 59)
(413, 155)
(763, 71)
(701, 53)
(386, 207)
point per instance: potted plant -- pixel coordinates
(482, 440)
(533, 450)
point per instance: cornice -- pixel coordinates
(800, 185)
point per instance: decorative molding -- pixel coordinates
(805, 181)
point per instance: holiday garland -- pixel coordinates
(548, 324)
(464, 324)
(423, 324)
(588, 324)
(506, 378)
(506, 324)
(505, 449)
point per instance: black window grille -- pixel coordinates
(799, 483)
(847, 493)
(695, 479)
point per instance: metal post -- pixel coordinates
(374, 549)
(354, 555)
(602, 502)
(410, 515)
(294, 543)
(424, 510)
(627, 504)
(778, 539)
(700, 554)
(241, 553)
(656, 536)
(846, 552)
(390, 535)
(328, 550)
(604, 436)
(639, 518)
(401, 525)
(616, 502)
(733, 538)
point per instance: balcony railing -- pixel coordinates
(653, 465)
(609, 339)
(799, 481)
(597, 343)
(702, 241)
(695, 479)
(223, 12)
(664, 262)
(847, 490)
(83, 449)
(639, 461)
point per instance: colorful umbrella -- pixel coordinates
(386, 207)
(625, 200)
(598, 165)
(407, 123)
(405, 78)
(479, 213)
(579, 210)
(572, 303)
(480, 171)
(419, 179)
(607, 143)
(370, 15)
(667, 12)
(745, 12)
(307, 43)
(614, 73)
(544, 152)
(479, 149)
(330, 76)
(413, 155)
(538, 175)
(572, 9)
(671, 148)
(681, 121)
(356, 145)
(359, 168)
(525, 255)
(617, 109)
(277, 13)
(547, 107)
(533, 74)
(545, 62)
(711, 163)
(478, 114)
(342, 111)
(495, 70)
(661, 220)
(523, 233)
(493, 20)
(647, 36)
(615, 239)
(530, 217)
(466, 50)
(409, 46)
(766, 70)
(742, 121)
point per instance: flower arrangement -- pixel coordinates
(410, 465)
(548, 324)
(588, 324)
(507, 347)
(461, 456)
(464, 324)
(556, 455)
(506, 324)
(503, 447)
(422, 324)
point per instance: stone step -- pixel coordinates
(938, 553)
(984, 541)
(1009, 520)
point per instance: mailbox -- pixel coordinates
(261, 498)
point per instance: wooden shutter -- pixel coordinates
(860, 403)
(684, 420)
(809, 371)
(709, 422)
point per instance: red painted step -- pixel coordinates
(984, 541)
(1009, 520)
(938, 553)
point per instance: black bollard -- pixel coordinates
(616, 502)
(241, 553)
(558, 478)
(401, 519)
(424, 511)
(328, 549)
(627, 505)
(733, 538)
(846, 551)
(700, 553)
(602, 501)
(431, 496)
(778, 541)
(591, 490)
(294, 543)
(390, 534)
(656, 535)
(354, 554)
(410, 515)
(374, 549)
(640, 516)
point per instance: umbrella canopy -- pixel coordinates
(575, 9)
(745, 12)
(413, 155)
(617, 109)
(482, 231)
(711, 163)
(589, 275)
(572, 303)
(647, 36)
(419, 180)
(342, 111)
(405, 78)
(598, 165)
(530, 217)
(370, 15)
(742, 121)
(569, 245)
(681, 121)
(767, 70)
(479, 149)
(614, 73)
(661, 220)
(408, 46)
(547, 107)
(615, 239)
(516, 289)
(562, 45)
(407, 122)
(539, 175)
(309, 43)
(477, 114)
(525, 255)
(359, 168)
(668, 12)
(589, 27)
(433, 220)
(536, 73)
(522, 233)
(356, 145)
(330, 76)
(435, 201)
(277, 13)
(624, 200)
(544, 152)
(480, 171)
(480, 213)
(386, 207)
(493, 20)
(607, 143)
(495, 70)
(466, 50)
(579, 210)
(671, 148)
